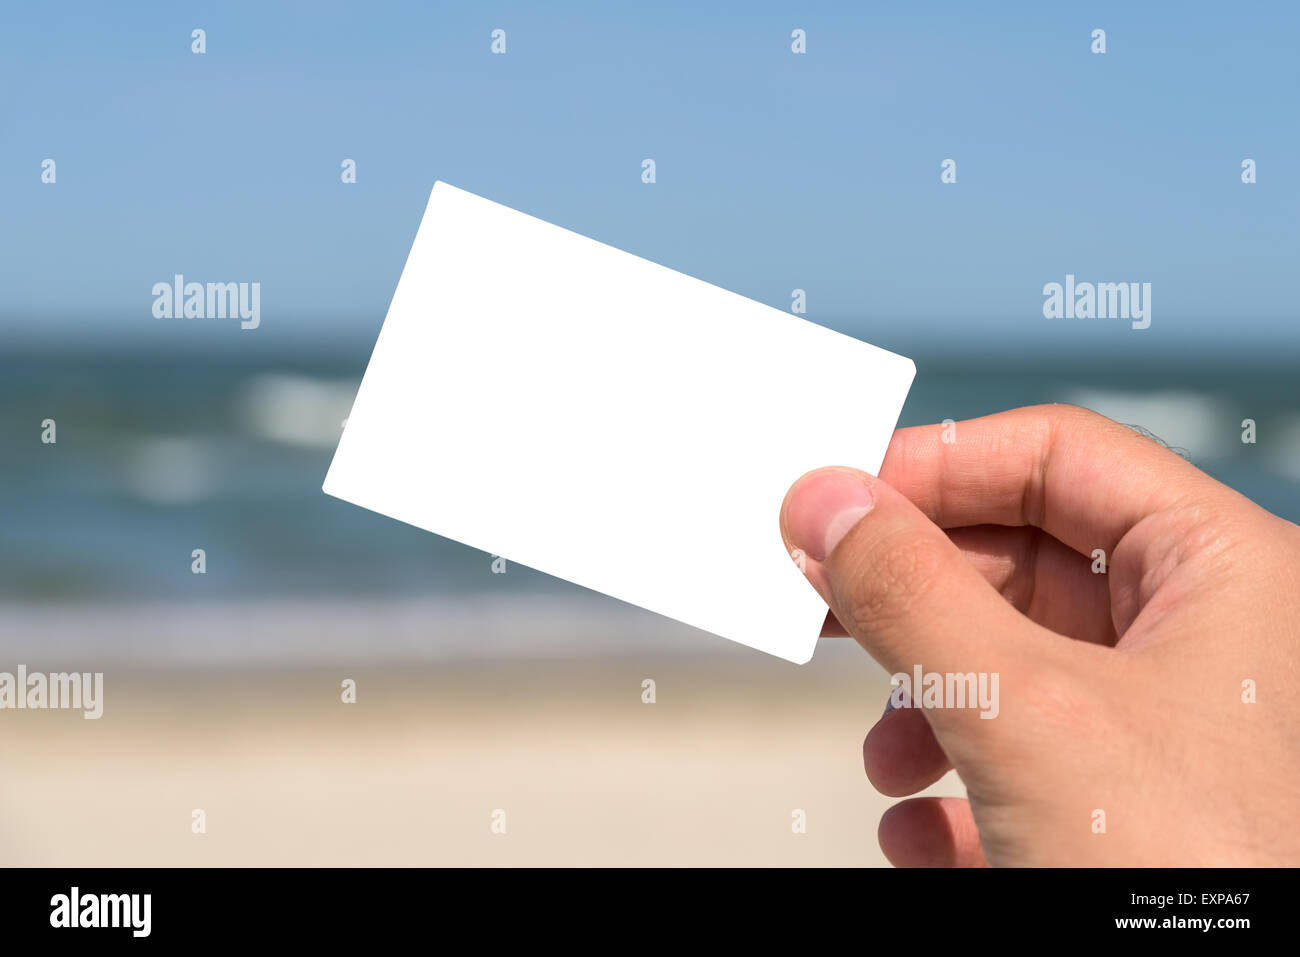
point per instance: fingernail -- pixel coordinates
(905, 698)
(823, 508)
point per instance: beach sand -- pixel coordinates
(412, 773)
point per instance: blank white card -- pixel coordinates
(566, 405)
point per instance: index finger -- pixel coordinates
(1081, 477)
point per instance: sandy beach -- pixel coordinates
(412, 773)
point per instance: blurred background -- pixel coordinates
(775, 171)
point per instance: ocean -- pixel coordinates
(157, 456)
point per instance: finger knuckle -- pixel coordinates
(900, 575)
(1067, 414)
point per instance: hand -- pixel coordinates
(1125, 697)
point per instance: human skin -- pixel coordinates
(1124, 692)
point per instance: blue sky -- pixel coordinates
(775, 171)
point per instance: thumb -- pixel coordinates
(895, 581)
